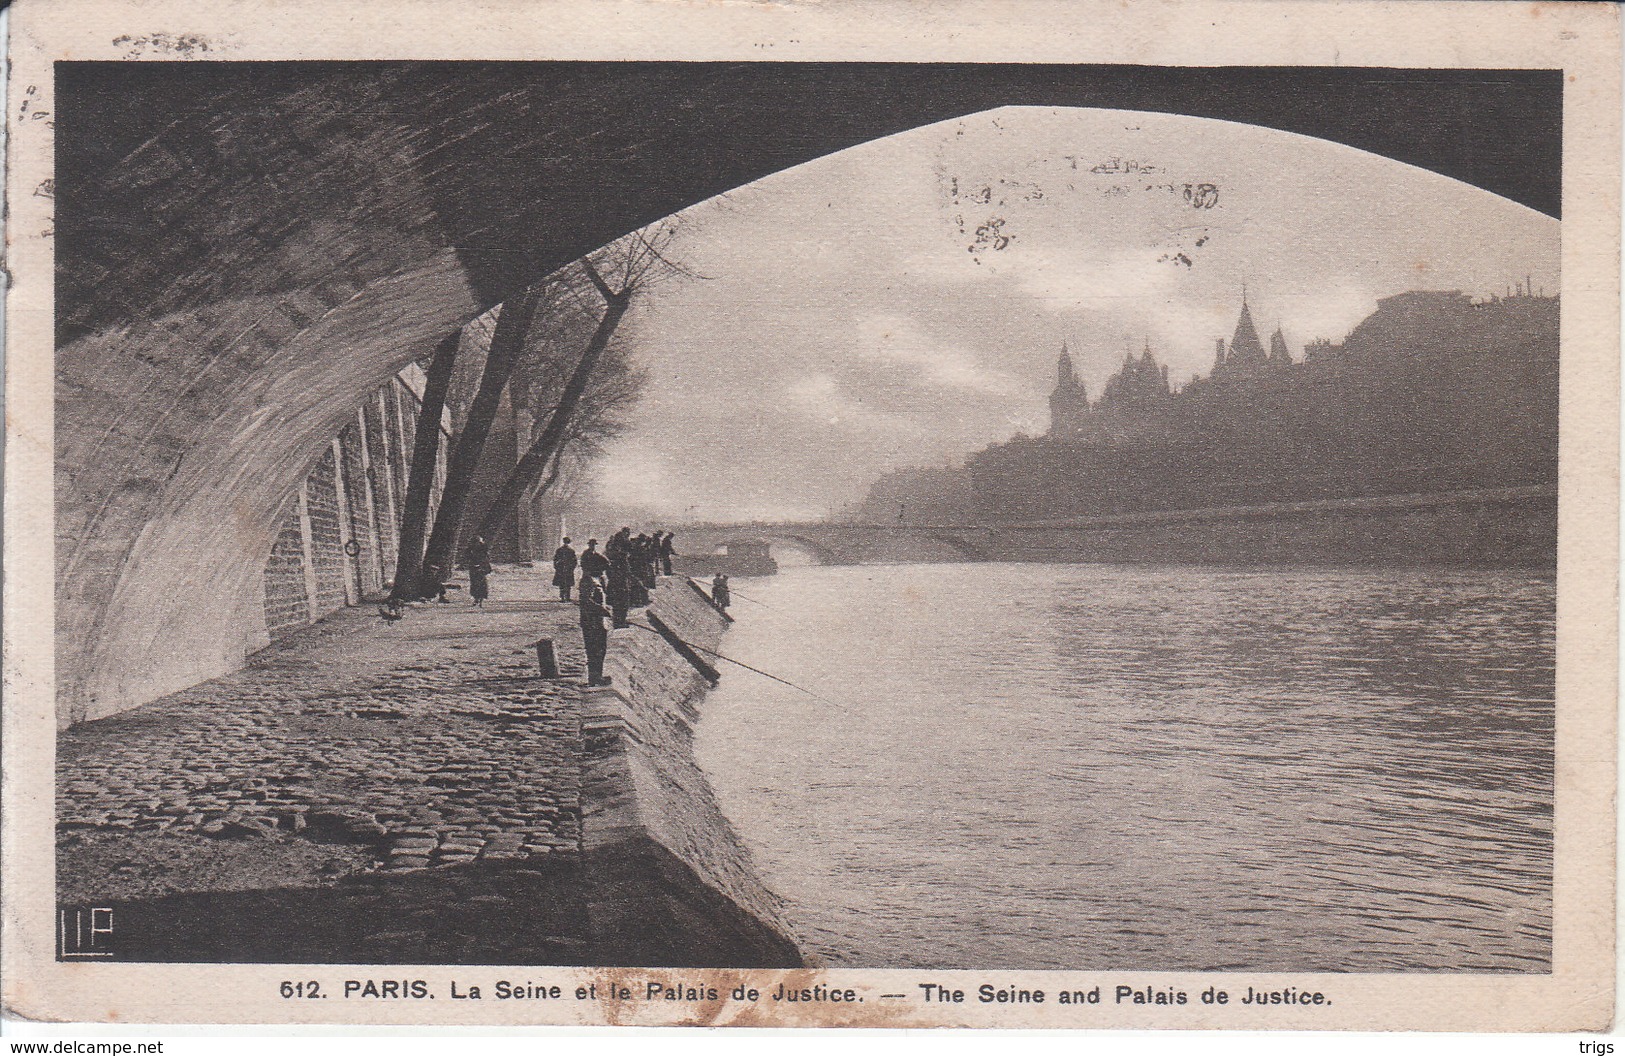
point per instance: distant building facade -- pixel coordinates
(1135, 398)
(1433, 391)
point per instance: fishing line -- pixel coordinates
(784, 614)
(741, 663)
(753, 601)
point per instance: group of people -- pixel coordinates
(628, 564)
(612, 583)
(608, 584)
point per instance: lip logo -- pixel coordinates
(85, 932)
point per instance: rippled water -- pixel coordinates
(1146, 768)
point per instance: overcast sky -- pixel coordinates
(903, 302)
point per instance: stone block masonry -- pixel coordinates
(338, 539)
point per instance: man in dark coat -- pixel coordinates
(618, 591)
(645, 552)
(593, 563)
(435, 576)
(637, 581)
(479, 571)
(564, 568)
(594, 636)
(666, 553)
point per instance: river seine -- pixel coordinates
(1084, 766)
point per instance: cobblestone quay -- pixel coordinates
(397, 792)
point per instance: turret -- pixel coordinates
(1279, 357)
(1066, 378)
(1245, 347)
(1069, 403)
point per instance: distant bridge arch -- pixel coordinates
(845, 544)
(826, 554)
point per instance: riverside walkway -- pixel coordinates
(304, 803)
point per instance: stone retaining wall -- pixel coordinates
(1481, 528)
(669, 881)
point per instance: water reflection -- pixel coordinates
(1091, 767)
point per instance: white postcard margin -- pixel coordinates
(1581, 39)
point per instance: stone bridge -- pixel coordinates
(1503, 527)
(246, 253)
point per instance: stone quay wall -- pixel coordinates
(414, 793)
(666, 871)
(328, 541)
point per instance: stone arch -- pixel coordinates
(245, 250)
(191, 571)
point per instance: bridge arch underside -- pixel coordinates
(823, 553)
(246, 250)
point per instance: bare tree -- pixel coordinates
(633, 263)
(601, 416)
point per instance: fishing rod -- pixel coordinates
(753, 601)
(739, 663)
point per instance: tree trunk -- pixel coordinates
(420, 480)
(552, 476)
(535, 461)
(513, 323)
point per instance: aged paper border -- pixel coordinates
(1582, 39)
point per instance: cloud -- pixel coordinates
(901, 341)
(1330, 312)
(636, 476)
(1090, 277)
(846, 328)
(821, 397)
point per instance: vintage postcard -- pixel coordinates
(1000, 513)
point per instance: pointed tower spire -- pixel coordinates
(1245, 347)
(1069, 403)
(1066, 376)
(1279, 356)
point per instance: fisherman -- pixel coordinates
(593, 563)
(637, 583)
(594, 636)
(666, 553)
(719, 591)
(618, 591)
(619, 543)
(564, 568)
(479, 571)
(648, 554)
